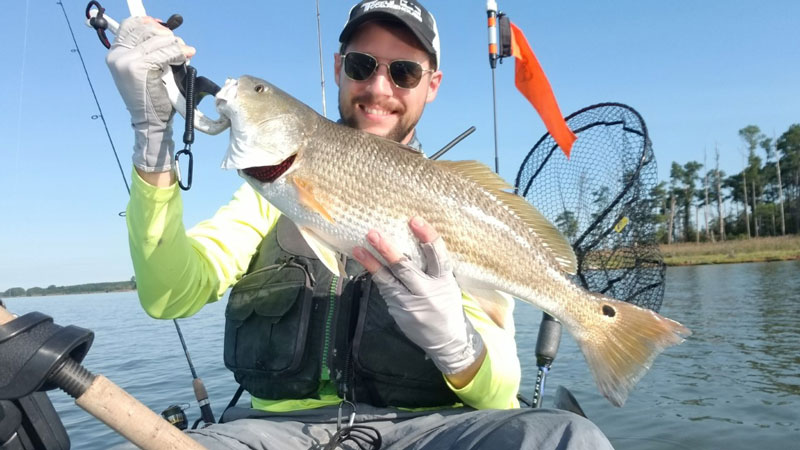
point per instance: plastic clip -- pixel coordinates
(98, 22)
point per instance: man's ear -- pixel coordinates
(337, 66)
(433, 86)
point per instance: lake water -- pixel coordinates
(734, 384)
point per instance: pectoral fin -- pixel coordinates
(305, 192)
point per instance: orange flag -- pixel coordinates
(532, 82)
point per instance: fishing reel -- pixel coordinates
(176, 415)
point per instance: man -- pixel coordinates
(397, 348)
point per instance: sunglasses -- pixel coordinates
(404, 74)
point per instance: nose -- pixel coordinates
(381, 82)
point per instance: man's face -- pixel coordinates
(376, 105)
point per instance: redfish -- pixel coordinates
(336, 183)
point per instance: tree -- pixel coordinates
(752, 135)
(737, 188)
(789, 146)
(675, 174)
(709, 235)
(689, 177)
(770, 151)
(659, 209)
(14, 292)
(718, 175)
(567, 224)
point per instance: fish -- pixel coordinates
(336, 183)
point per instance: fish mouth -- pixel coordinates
(268, 174)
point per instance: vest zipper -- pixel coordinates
(326, 371)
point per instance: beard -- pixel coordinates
(400, 131)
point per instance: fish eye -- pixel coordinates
(260, 88)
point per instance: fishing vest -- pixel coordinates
(289, 318)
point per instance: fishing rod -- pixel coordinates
(549, 336)
(38, 355)
(491, 12)
(452, 143)
(100, 22)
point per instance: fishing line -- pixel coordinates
(19, 104)
(96, 101)
(321, 67)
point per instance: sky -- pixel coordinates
(696, 71)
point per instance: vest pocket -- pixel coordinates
(403, 376)
(266, 324)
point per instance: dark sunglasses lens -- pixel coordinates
(359, 66)
(406, 74)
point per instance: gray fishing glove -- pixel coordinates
(142, 51)
(427, 307)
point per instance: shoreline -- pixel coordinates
(673, 263)
(755, 250)
(766, 249)
(39, 295)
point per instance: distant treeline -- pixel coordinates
(763, 199)
(90, 288)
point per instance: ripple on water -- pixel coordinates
(733, 384)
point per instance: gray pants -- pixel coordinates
(458, 428)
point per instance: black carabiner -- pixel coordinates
(185, 151)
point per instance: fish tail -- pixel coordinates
(620, 341)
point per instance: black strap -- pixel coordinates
(235, 399)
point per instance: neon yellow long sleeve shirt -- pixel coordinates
(178, 271)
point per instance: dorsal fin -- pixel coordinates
(549, 234)
(477, 172)
(394, 144)
(552, 239)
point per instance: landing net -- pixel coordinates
(601, 200)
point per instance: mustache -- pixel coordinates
(370, 99)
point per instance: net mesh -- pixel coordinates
(601, 200)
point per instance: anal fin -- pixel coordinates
(497, 305)
(328, 256)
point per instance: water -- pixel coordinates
(734, 384)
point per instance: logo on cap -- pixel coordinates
(402, 5)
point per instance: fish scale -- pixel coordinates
(344, 182)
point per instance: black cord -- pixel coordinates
(365, 437)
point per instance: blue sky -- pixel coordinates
(696, 71)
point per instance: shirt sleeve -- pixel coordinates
(178, 271)
(496, 383)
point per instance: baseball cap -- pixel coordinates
(408, 12)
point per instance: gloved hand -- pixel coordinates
(426, 305)
(142, 51)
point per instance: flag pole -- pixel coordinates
(491, 12)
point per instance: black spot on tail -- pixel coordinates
(609, 311)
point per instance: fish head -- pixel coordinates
(268, 127)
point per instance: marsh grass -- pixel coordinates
(736, 251)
